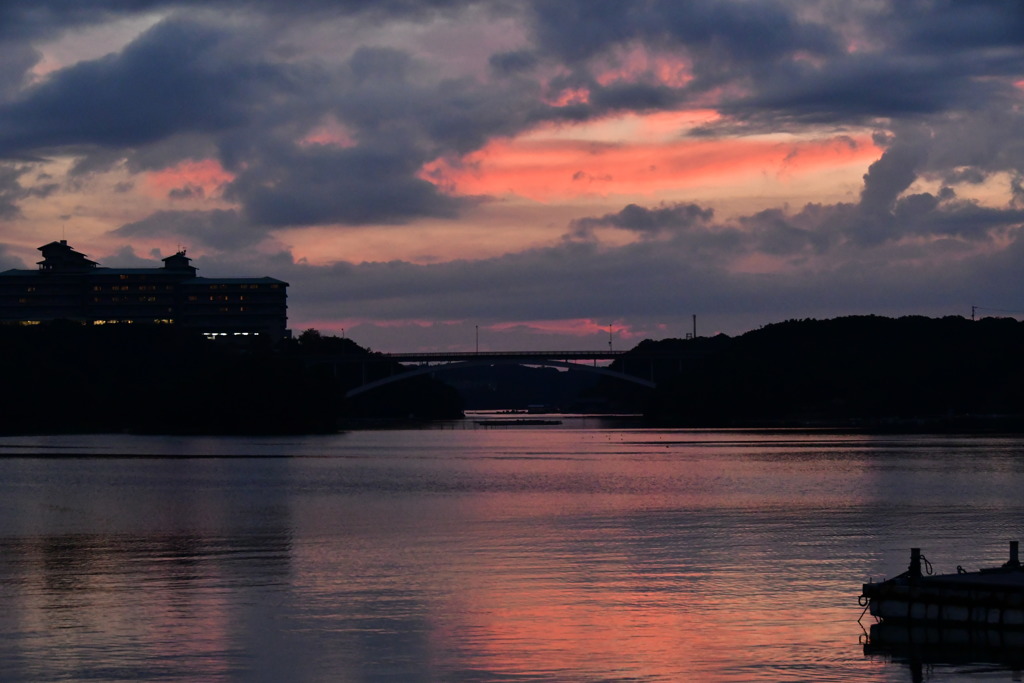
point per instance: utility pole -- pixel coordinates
(694, 325)
(477, 338)
(610, 337)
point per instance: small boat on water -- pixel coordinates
(988, 598)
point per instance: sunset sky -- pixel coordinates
(535, 170)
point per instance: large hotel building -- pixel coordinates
(69, 286)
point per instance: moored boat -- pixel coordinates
(988, 597)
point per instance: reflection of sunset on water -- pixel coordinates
(469, 553)
(586, 605)
(81, 587)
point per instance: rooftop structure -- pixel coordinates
(69, 286)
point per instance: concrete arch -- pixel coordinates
(442, 367)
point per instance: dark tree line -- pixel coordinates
(67, 377)
(854, 371)
(861, 370)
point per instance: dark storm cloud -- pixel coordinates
(888, 177)
(928, 215)
(647, 222)
(220, 229)
(969, 175)
(914, 71)
(936, 78)
(187, 191)
(43, 18)
(320, 184)
(689, 229)
(562, 283)
(952, 150)
(649, 279)
(220, 82)
(12, 191)
(576, 30)
(184, 78)
(686, 261)
(400, 119)
(781, 68)
(390, 99)
(518, 61)
(723, 42)
(635, 97)
(176, 77)
(859, 88)
(775, 232)
(885, 215)
(981, 142)
(16, 59)
(943, 25)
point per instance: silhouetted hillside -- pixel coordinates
(66, 377)
(864, 370)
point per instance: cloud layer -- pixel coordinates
(334, 144)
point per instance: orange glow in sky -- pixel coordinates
(546, 170)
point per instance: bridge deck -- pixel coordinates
(443, 356)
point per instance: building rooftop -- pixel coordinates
(69, 286)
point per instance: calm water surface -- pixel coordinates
(573, 553)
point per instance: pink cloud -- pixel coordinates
(207, 175)
(568, 97)
(331, 133)
(637, 63)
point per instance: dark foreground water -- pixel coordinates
(486, 554)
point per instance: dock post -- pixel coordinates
(1014, 562)
(915, 563)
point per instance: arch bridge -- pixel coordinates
(429, 363)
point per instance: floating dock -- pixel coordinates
(989, 598)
